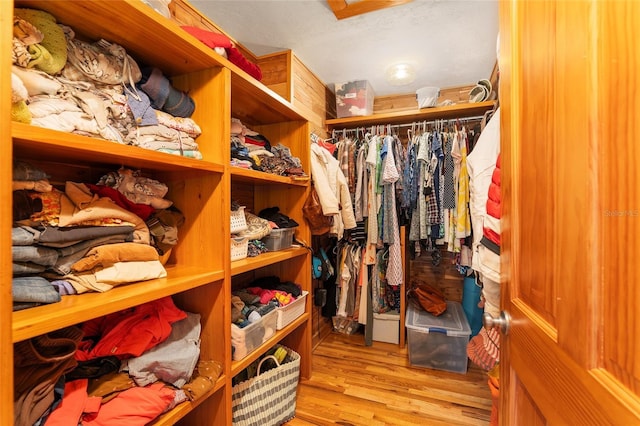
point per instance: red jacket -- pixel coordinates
(491, 229)
(130, 332)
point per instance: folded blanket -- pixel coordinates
(37, 82)
(53, 48)
(128, 272)
(105, 279)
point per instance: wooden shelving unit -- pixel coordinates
(200, 274)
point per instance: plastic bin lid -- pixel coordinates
(452, 322)
(283, 230)
(388, 316)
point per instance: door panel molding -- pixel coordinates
(536, 362)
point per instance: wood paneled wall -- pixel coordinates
(409, 102)
(276, 72)
(309, 94)
(286, 75)
(444, 275)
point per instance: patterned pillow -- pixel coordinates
(257, 227)
(51, 207)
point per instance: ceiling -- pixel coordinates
(448, 42)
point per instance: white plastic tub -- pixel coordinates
(427, 96)
(287, 314)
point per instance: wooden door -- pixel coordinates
(570, 96)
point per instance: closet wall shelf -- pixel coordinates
(239, 174)
(254, 103)
(238, 366)
(400, 117)
(77, 308)
(265, 259)
(52, 145)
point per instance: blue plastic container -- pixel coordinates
(470, 299)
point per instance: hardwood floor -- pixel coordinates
(353, 385)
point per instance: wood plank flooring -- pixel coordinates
(353, 384)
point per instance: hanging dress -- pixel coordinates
(463, 217)
(360, 196)
(390, 176)
(373, 202)
(419, 229)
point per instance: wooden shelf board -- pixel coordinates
(262, 178)
(448, 112)
(52, 145)
(254, 103)
(265, 259)
(74, 309)
(341, 9)
(238, 366)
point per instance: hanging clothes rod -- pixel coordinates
(412, 124)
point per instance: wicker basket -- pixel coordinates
(239, 248)
(268, 398)
(238, 221)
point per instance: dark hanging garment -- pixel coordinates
(329, 309)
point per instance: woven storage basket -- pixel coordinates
(239, 248)
(238, 221)
(268, 399)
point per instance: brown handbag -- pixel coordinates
(427, 297)
(319, 224)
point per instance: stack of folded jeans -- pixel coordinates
(36, 250)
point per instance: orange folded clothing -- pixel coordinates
(110, 254)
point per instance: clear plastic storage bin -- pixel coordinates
(427, 96)
(354, 98)
(279, 239)
(246, 340)
(438, 342)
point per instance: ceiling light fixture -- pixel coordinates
(400, 74)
